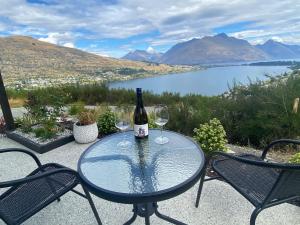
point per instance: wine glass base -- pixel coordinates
(161, 140)
(124, 144)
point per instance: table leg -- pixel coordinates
(147, 220)
(148, 209)
(134, 216)
(164, 217)
(147, 213)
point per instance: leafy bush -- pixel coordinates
(106, 122)
(87, 117)
(42, 110)
(26, 122)
(35, 107)
(47, 130)
(295, 158)
(42, 105)
(44, 133)
(211, 136)
(76, 108)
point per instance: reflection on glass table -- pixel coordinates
(143, 174)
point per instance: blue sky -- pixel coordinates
(115, 27)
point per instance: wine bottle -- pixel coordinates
(140, 117)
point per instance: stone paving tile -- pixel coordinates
(220, 204)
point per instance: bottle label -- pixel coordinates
(141, 130)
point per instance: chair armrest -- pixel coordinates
(273, 165)
(31, 178)
(23, 151)
(280, 141)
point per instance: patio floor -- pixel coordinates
(220, 204)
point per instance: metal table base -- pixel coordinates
(148, 209)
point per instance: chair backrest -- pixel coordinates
(286, 187)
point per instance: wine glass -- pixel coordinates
(161, 118)
(122, 122)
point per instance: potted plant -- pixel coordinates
(85, 130)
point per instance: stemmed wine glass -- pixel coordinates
(122, 122)
(161, 118)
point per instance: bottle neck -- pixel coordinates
(139, 100)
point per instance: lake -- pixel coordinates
(211, 81)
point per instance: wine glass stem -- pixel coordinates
(161, 130)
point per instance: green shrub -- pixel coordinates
(76, 108)
(106, 122)
(44, 133)
(42, 105)
(26, 122)
(47, 130)
(211, 136)
(295, 158)
(151, 121)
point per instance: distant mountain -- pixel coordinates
(210, 50)
(218, 49)
(23, 58)
(278, 50)
(144, 56)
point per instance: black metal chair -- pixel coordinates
(25, 197)
(263, 183)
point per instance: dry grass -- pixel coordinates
(283, 154)
(16, 102)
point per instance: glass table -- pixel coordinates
(144, 173)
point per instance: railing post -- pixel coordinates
(9, 120)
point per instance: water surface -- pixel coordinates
(212, 81)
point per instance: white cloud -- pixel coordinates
(150, 50)
(249, 34)
(69, 45)
(50, 39)
(103, 54)
(64, 39)
(275, 38)
(257, 41)
(174, 21)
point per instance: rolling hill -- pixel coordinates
(26, 61)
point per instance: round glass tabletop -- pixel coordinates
(143, 169)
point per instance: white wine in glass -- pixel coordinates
(161, 118)
(122, 122)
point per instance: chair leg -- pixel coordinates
(200, 188)
(89, 198)
(254, 215)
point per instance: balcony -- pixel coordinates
(220, 204)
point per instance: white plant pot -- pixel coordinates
(85, 134)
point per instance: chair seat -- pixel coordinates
(19, 203)
(253, 182)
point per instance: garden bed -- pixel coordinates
(38, 145)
